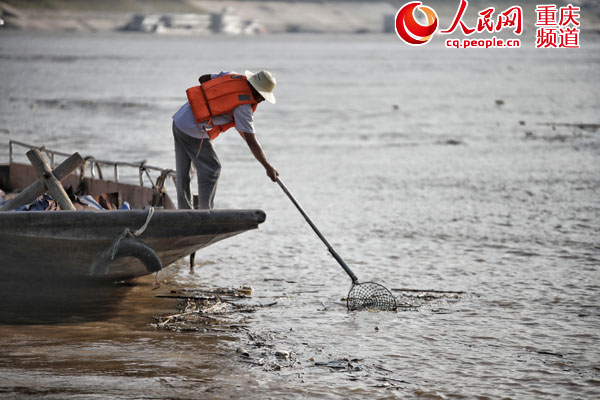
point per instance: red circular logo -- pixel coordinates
(409, 30)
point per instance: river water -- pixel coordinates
(427, 168)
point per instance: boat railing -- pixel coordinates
(95, 164)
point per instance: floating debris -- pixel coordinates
(242, 352)
(590, 127)
(225, 310)
(451, 142)
(454, 142)
(415, 299)
(199, 309)
(282, 354)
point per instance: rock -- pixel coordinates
(499, 102)
(246, 290)
(282, 354)
(242, 352)
(376, 329)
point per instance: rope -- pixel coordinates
(143, 228)
(159, 188)
(126, 232)
(116, 243)
(160, 182)
(201, 141)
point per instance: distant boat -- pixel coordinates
(95, 245)
(224, 22)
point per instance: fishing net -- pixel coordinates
(368, 296)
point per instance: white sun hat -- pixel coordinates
(264, 83)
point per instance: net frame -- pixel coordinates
(367, 296)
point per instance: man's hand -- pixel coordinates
(272, 172)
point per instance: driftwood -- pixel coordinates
(50, 181)
(39, 187)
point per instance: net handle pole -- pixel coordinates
(319, 234)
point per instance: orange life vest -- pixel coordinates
(219, 96)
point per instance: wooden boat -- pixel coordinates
(107, 245)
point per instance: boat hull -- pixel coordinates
(65, 244)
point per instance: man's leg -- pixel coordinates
(182, 166)
(208, 169)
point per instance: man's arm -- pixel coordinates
(259, 154)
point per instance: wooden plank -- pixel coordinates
(52, 184)
(38, 188)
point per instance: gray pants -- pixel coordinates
(208, 169)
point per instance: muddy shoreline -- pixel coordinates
(112, 353)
